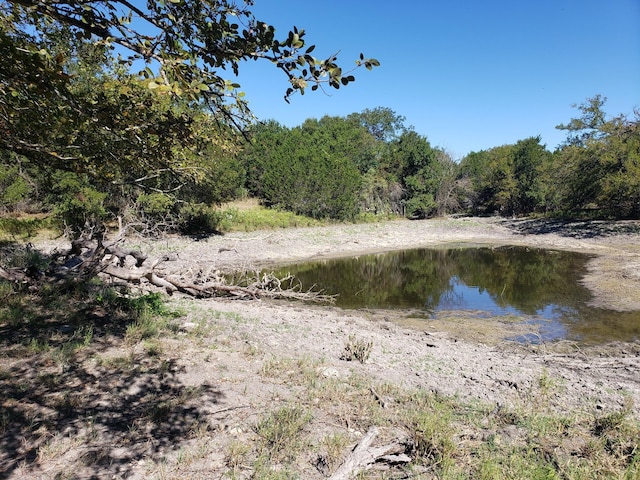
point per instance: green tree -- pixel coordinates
(599, 165)
(15, 186)
(265, 141)
(419, 168)
(383, 123)
(308, 169)
(345, 137)
(382, 191)
(491, 173)
(529, 158)
(450, 184)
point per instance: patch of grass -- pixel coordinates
(159, 412)
(152, 317)
(296, 372)
(153, 348)
(237, 456)
(280, 433)
(265, 470)
(26, 227)
(334, 446)
(39, 346)
(145, 327)
(80, 339)
(431, 427)
(120, 362)
(56, 446)
(247, 216)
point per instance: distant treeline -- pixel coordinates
(369, 163)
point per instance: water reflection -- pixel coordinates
(541, 285)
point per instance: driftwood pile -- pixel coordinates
(96, 256)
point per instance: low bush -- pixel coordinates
(198, 219)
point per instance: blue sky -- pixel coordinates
(468, 75)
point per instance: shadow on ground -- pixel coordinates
(76, 397)
(573, 229)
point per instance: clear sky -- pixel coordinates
(467, 74)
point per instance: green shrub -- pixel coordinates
(197, 219)
(77, 204)
(421, 206)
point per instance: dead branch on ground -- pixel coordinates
(93, 255)
(365, 457)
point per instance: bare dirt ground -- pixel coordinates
(240, 356)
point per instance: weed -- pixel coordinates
(152, 347)
(160, 411)
(236, 456)
(357, 349)
(334, 445)
(609, 422)
(39, 346)
(264, 469)
(432, 435)
(146, 326)
(121, 362)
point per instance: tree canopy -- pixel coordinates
(138, 95)
(180, 49)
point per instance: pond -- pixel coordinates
(537, 286)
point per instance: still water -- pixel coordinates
(539, 286)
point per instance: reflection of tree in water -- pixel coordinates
(446, 300)
(525, 279)
(428, 276)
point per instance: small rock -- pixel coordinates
(329, 372)
(188, 326)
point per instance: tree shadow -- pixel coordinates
(572, 228)
(73, 392)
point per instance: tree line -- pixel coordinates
(371, 164)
